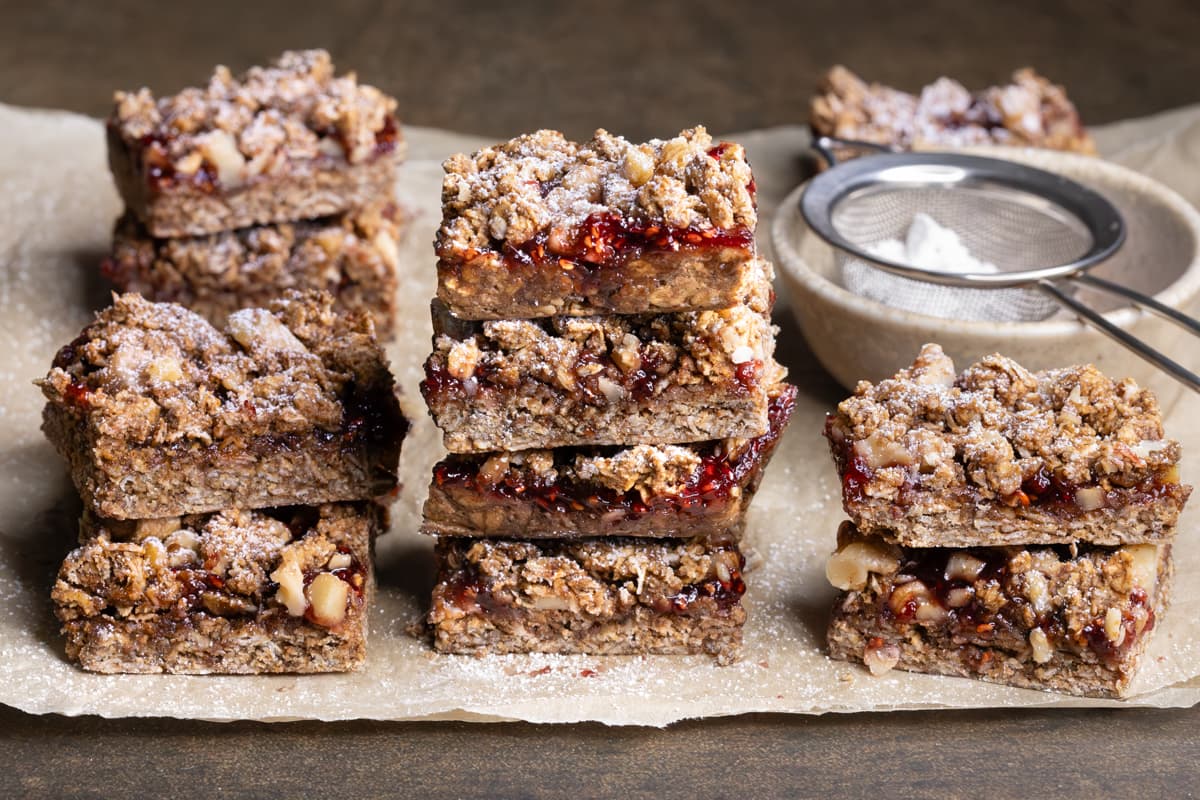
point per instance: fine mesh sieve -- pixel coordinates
(1041, 232)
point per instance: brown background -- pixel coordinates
(641, 69)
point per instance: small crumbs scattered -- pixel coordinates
(587, 673)
(543, 671)
(765, 664)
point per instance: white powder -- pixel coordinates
(931, 246)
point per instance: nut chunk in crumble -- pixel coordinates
(599, 596)
(1001, 455)
(624, 380)
(285, 142)
(158, 413)
(656, 491)
(1073, 620)
(542, 226)
(352, 256)
(236, 591)
(1029, 112)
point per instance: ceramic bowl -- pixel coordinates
(856, 338)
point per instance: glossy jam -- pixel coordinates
(710, 485)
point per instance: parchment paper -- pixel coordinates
(56, 214)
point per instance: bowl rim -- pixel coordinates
(1177, 294)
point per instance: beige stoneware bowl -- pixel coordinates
(855, 338)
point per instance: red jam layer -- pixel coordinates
(709, 486)
(607, 240)
(973, 619)
(1043, 490)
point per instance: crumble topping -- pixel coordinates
(599, 577)
(1029, 111)
(691, 347)
(244, 259)
(998, 425)
(220, 562)
(259, 122)
(543, 184)
(157, 374)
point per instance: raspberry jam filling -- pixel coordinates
(1043, 490)
(607, 240)
(710, 486)
(939, 587)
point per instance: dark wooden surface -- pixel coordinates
(639, 68)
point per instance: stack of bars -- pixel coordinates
(1004, 524)
(603, 373)
(282, 178)
(228, 483)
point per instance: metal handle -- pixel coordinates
(1122, 337)
(824, 146)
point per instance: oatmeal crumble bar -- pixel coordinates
(1029, 112)
(542, 226)
(565, 381)
(599, 596)
(646, 490)
(1067, 619)
(158, 413)
(352, 256)
(1001, 455)
(278, 590)
(285, 142)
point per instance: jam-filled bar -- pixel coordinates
(1001, 455)
(541, 226)
(352, 256)
(159, 413)
(1066, 619)
(644, 491)
(1028, 112)
(285, 142)
(565, 381)
(598, 596)
(277, 590)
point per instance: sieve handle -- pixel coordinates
(1141, 301)
(824, 146)
(1124, 338)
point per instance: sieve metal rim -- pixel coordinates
(1095, 212)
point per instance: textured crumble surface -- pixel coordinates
(155, 373)
(158, 413)
(352, 256)
(542, 184)
(1029, 111)
(564, 593)
(556, 381)
(257, 123)
(927, 443)
(205, 594)
(1070, 620)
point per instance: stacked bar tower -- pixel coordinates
(228, 481)
(281, 178)
(1006, 525)
(603, 374)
